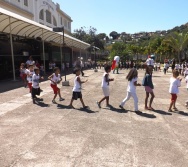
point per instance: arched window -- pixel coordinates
(48, 17)
(41, 15)
(54, 21)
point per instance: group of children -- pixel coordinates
(175, 83)
(55, 79)
(33, 77)
(132, 78)
(182, 68)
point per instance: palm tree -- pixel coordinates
(178, 41)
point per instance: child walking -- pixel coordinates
(175, 83)
(77, 94)
(131, 89)
(147, 82)
(186, 80)
(29, 73)
(23, 74)
(35, 84)
(55, 79)
(105, 86)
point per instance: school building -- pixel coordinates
(26, 28)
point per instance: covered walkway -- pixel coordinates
(17, 25)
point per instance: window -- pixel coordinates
(65, 23)
(54, 21)
(61, 21)
(48, 17)
(41, 15)
(69, 25)
(26, 2)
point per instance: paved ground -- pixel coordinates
(49, 135)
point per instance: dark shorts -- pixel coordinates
(34, 92)
(76, 95)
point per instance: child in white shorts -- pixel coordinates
(105, 86)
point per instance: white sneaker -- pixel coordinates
(98, 104)
(61, 99)
(53, 101)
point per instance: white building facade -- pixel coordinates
(45, 12)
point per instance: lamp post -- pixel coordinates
(95, 48)
(61, 29)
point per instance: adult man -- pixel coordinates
(80, 65)
(30, 61)
(150, 61)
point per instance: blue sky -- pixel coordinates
(126, 15)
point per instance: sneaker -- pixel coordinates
(138, 112)
(108, 106)
(61, 99)
(121, 107)
(175, 109)
(53, 101)
(85, 107)
(98, 104)
(34, 101)
(39, 99)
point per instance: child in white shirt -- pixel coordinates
(186, 80)
(29, 73)
(76, 91)
(131, 89)
(175, 83)
(35, 84)
(105, 86)
(55, 79)
(185, 71)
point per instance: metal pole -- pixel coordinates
(72, 54)
(61, 54)
(12, 51)
(95, 54)
(43, 52)
(63, 46)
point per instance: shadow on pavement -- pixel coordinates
(60, 106)
(10, 85)
(42, 104)
(183, 113)
(146, 115)
(161, 112)
(118, 110)
(180, 112)
(87, 110)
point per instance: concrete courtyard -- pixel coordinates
(52, 135)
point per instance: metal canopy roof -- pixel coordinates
(18, 25)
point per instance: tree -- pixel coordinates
(178, 41)
(90, 36)
(114, 35)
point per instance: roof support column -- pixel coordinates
(12, 50)
(61, 54)
(43, 52)
(72, 55)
